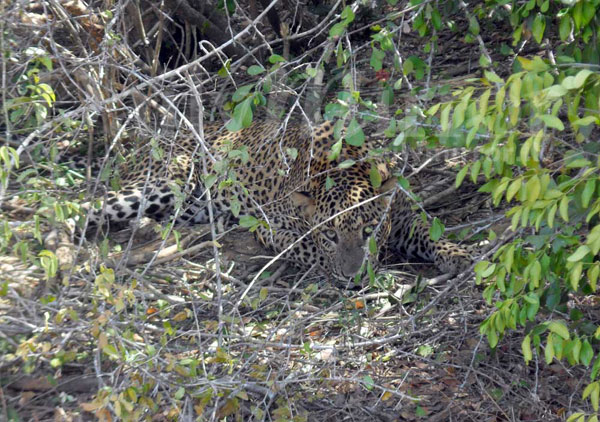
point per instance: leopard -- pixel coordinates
(317, 199)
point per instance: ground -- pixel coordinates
(298, 346)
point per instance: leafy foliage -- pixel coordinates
(534, 130)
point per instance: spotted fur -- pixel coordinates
(294, 194)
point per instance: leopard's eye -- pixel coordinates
(368, 230)
(330, 235)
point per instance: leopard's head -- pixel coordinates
(341, 227)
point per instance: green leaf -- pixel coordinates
(49, 262)
(263, 294)
(575, 275)
(235, 207)
(513, 188)
(553, 194)
(255, 70)
(373, 246)
(581, 77)
(552, 122)
(551, 215)
(593, 392)
(436, 230)
(111, 351)
(483, 102)
(500, 94)
(593, 274)
(586, 353)
(375, 177)
(535, 273)
(420, 412)
(549, 350)
(480, 267)
(524, 152)
(564, 28)
(577, 14)
(329, 183)
(436, 19)
(347, 15)
(577, 417)
(311, 71)
(368, 381)
(377, 57)
(588, 13)
(579, 254)
(7, 154)
(526, 349)
(509, 258)
(335, 151)
(492, 336)
(346, 164)
(248, 221)
(585, 121)
(461, 176)
(337, 30)
(559, 328)
(242, 115)
(292, 152)
(473, 26)
(224, 71)
(179, 393)
(399, 140)
(514, 92)
(578, 163)
(46, 62)
(354, 134)
(538, 27)
(593, 239)
(387, 96)
(556, 91)
(444, 117)
(40, 112)
(484, 62)
(574, 347)
(276, 58)
(499, 190)
(242, 92)
(533, 188)
(459, 114)
(47, 89)
(526, 64)
(588, 192)
(492, 77)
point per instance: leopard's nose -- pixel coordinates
(352, 260)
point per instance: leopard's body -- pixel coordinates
(287, 179)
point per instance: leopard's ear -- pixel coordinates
(388, 185)
(387, 188)
(305, 204)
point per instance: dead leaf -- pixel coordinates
(180, 316)
(229, 408)
(102, 341)
(25, 397)
(386, 396)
